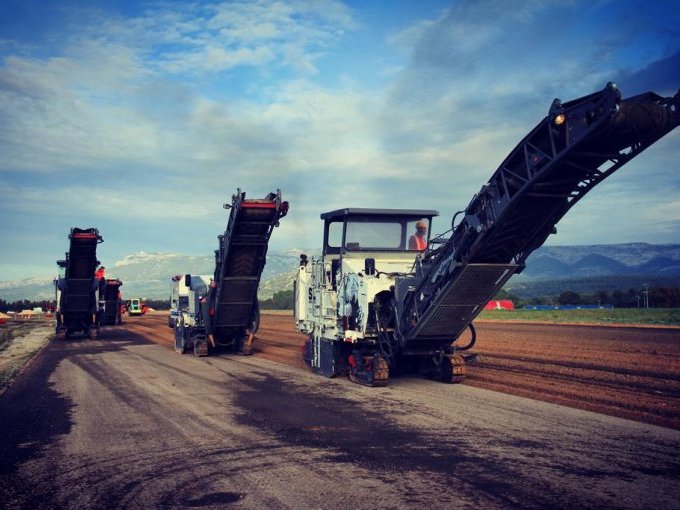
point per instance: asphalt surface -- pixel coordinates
(123, 422)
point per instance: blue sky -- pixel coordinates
(142, 118)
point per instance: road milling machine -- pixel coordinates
(223, 311)
(136, 307)
(377, 302)
(78, 291)
(111, 302)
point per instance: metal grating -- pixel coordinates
(461, 300)
(445, 319)
(233, 314)
(238, 289)
(79, 295)
(252, 229)
(228, 334)
(78, 303)
(245, 260)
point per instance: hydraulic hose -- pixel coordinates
(472, 341)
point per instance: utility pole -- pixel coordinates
(645, 292)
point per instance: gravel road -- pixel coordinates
(125, 422)
(22, 341)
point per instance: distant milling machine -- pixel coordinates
(385, 298)
(84, 301)
(222, 310)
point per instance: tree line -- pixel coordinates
(282, 300)
(657, 297)
(26, 304)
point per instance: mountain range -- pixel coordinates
(550, 262)
(587, 269)
(549, 269)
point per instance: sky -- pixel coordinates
(143, 118)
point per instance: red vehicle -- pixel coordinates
(500, 304)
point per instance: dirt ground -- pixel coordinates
(16, 349)
(628, 372)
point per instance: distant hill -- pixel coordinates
(560, 262)
(148, 275)
(550, 270)
(586, 269)
(538, 288)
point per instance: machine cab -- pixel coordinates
(373, 235)
(363, 251)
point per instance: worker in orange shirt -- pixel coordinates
(418, 241)
(99, 273)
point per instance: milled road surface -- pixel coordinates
(124, 422)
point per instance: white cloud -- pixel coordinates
(97, 202)
(59, 112)
(408, 37)
(669, 211)
(104, 99)
(213, 37)
(483, 74)
(217, 58)
(317, 115)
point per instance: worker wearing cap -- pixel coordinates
(418, 241)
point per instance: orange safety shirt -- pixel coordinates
(417, 243)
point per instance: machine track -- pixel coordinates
(375, 372)
(455, 368)
(446, 368)
(200, 347)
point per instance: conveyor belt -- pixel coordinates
(573, 149)
(239, 263)
(78, 304)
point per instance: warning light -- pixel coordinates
(559, 120)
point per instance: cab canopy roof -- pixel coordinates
(384, 213)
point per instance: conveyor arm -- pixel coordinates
(577, 146)
(239, 263)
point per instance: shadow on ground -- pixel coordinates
(361, 434)
(34, 415)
